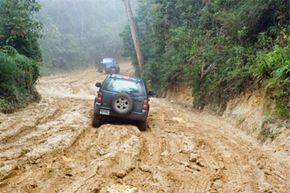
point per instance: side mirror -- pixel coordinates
(151, 93)
(98, 85)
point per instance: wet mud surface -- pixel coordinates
(51, 147)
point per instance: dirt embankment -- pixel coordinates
(248, 112)
(51, 147)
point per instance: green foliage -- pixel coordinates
(19, 53)
(229, 77)
(18, 75)
(18, 28)
(223, 47)
(274, 69)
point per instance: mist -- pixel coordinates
(76, 33)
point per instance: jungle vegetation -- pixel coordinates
(220, 47)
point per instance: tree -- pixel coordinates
(19, 28)
(134, 34)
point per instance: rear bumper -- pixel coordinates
(138, 116)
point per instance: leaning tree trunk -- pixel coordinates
(135, 37)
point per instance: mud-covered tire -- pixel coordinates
(97, 120)
(122, 104)
(142, 126)
(99, 68)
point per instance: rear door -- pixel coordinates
(135, 89)
(107, 94)
(107, 98)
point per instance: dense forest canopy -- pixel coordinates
(219, 47)
(79, 32)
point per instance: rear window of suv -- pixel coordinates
(122, 85)
(108, 60)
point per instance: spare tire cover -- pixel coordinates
(122, 103)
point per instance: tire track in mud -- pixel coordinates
(39, 134)
(224, 165)
(25, 126)
(243, 157)
(181, 152)
(45, 138)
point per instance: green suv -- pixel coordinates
(122, 97)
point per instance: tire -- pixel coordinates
(122, 104)
(142, 126)
(99, 68)
(97, 120)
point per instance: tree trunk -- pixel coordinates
(133, 28)
(204, 71)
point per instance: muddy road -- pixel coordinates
(51, 147)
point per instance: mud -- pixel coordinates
(51, 147)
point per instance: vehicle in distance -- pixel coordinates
(109, 65)
(122, 97)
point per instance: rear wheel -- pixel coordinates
(97, 120)
(142, 125)
(99, 68)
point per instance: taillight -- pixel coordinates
(146, 105)
(100, 98)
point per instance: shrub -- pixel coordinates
(18, 75)
(273, 69)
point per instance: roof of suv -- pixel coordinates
(119, 76)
